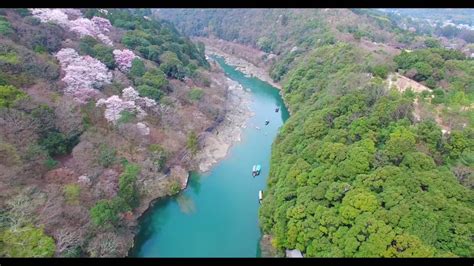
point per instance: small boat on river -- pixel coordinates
(260, 196)
(256, 170)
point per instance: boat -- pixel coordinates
(267, 122)
(260, 196)
(277, 109)
(256, 170)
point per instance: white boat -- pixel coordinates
(260, 196)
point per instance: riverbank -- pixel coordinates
(216, 143)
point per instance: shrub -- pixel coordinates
(50, 163)
(55, 143)
(150, 92)
(27, 242)
(380, 71)
(154, 78)
(107, 155)
(5, 27)
(171, 65)
(103, 214)
(158, 155)
(9, 95)
(138, 68)
(192, 142)
(126, 117)
(195, 94)
(72, 193)
(104, 54)
(174, 187)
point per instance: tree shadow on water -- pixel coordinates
(195, 182)
(186, 204)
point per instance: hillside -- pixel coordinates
(360, 169)
(101, 111)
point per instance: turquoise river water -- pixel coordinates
(217, 214)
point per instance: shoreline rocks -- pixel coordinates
(218, 142)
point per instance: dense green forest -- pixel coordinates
(352, 175)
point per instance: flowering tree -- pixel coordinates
(83, 74)
(51, 15)
(130, 101)
(124, 59)
(115, 106)
(96, 27)
(130, 94)
(102, 24)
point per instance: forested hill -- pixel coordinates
(377, 159)
(100, 112)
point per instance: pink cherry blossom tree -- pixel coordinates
(96, 27)
(124, 59)
(83, 74)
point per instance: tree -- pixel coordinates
(171, 65)
(405, 246)
(55, 143)
(457, 143)
(264, 44)
(9, 95)
(150, 92)
(107, 155)
(72, 193)
(104, 54)
(195, 94)
(424, 71)
(380, 71)
(103, 214)
(124, 59)
(138, 68)
(26, 242)
(154, 78)
(127, 185)
(432, 43)
(400, 142)
(5, 27)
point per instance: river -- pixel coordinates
(217, 214)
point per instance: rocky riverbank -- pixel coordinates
(217, 143)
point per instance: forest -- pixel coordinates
(353, 175)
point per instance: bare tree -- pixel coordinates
(67, 238)
(17, 127)
(105, 245)
(69, 120)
